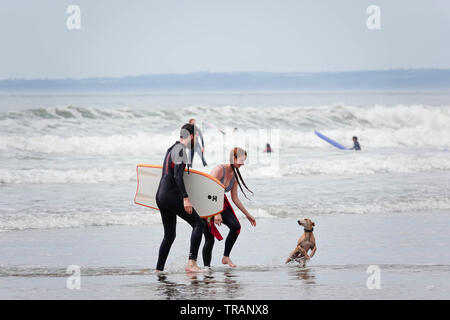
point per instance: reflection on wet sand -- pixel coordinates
(232, 287)
(207, 285)
(304, 274)
(167, 289)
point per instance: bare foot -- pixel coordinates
(193, 267)
(227, 260)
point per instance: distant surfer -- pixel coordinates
(356, 145)
(172, 200)
(228, 174)
(268, 148)
(197, 148)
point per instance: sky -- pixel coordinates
(133, 37)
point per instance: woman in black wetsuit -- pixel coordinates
(228, 174)
(172, 200)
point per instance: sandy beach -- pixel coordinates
(118, 262)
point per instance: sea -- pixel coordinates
(68, 180)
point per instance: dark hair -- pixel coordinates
(186, 130)
(234, 154)
(356, 138)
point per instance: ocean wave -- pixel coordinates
(54, 218)
(356, 164)
(70, 130)
(59, 218)
(306, 117)
(311, 209)
(71, 218)
(282, 141)
(44, 176)
(133, 144)
(74, 112)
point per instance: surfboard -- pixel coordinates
(205, 191)
(213, 126)
(330, 141)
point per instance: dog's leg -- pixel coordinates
(302, 263)
(305, 253)
(292, 255)
(313, 252)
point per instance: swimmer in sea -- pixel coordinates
(197, 148)
(356, 145)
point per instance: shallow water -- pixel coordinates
(68, 179)
(118, 262)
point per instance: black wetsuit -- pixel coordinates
(230, 220)
(356, 146)
(169, 199)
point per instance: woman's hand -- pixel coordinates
(218, 219)
(251, 219)
(187, 205)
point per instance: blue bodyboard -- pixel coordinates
(330, 141)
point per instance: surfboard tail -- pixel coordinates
(205, 191)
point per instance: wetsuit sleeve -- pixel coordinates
(178, 172)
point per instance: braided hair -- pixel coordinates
(234, 154)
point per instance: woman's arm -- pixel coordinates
(238, 203)
(178, 172)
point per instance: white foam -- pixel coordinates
(311, 208)
(76, 219)
(40, 176)
(360, 164)
(127, 131)
(351, 164)
(137, 144)
(67, 218)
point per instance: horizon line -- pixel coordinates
(227, 73)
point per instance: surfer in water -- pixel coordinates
(197, 148)
(172, 200)
(356, 145)
(268, 148)
(230, 176)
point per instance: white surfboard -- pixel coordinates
(205, 191)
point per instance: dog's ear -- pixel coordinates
(313, 224)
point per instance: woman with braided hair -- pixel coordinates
(228, 174)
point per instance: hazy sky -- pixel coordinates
(131, 37)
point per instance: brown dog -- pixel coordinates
(304, 244)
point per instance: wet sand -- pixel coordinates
(410, 250)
